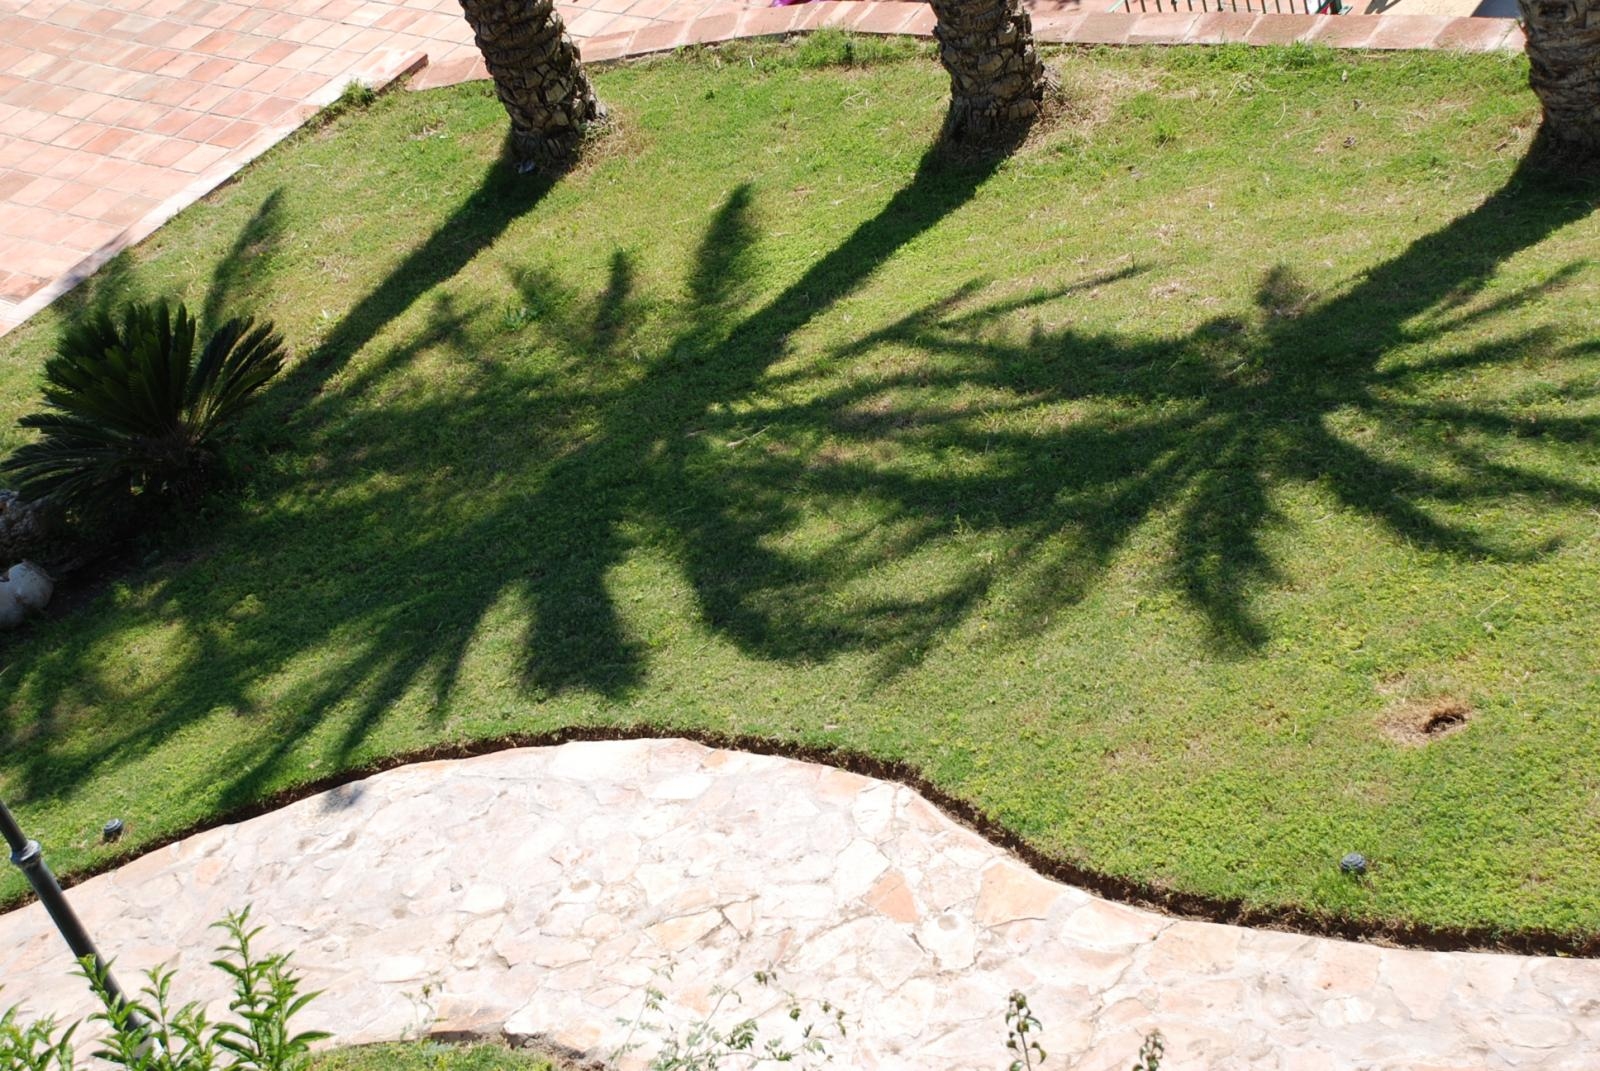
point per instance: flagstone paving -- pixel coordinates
(534, 892)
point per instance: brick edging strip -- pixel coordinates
(1051, 25)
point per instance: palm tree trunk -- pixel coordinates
(997, 81)
(1564, 51)
(538, 77)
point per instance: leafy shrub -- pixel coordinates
(132, 416)
(33, 1046)
(146, 1033)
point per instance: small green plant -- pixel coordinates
(1151, 1053)
(131, 415)
(1020, 1022)
(354, 97)
(147, 1033)
(266, 996)
(1027, 1054)
(706, 1046)
(355, 94)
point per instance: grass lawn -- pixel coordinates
(1148, 490)
(430, 1056)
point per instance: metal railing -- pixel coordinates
(29, 858)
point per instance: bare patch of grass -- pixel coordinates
(1084, 100)
(1415, 723)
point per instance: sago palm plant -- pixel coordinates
(131, 412)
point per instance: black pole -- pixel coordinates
(30, 860)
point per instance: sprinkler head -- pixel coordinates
(1354, 863)
(111, 831)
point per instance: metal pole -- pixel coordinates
(30, 860)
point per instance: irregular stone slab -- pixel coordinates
(537, 892)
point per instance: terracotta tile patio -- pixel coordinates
(116, 115)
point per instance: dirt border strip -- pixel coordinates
(1227, 911)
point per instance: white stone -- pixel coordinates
(1536, 1031)
(857, 867)
(1345, 1011)
(952, 938)
(399, 969)
(683, 787)
(874, 809)
(30, 585)
(12, 612)
(483, 899)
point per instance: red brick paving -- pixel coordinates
(116, 115)
(1163, 28)
(1418, 31)
(1351, 31)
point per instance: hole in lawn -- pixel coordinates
(1442, 721)
(1423, 721)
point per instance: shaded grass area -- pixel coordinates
(1129, 489)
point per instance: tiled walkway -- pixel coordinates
(533, 892)
(116, 114)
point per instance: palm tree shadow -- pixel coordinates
(1251, 405)
(231, 289)
(235, 279)
(642, 463)
(404, 642)
(500, 198)
(683, 446)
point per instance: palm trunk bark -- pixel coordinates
(997, 81)
(1564, 54)
(538, 76)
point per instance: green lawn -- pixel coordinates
(1134, 490)
(430, 1056)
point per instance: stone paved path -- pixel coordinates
(534, 891)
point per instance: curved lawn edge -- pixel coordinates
(1230, 911)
